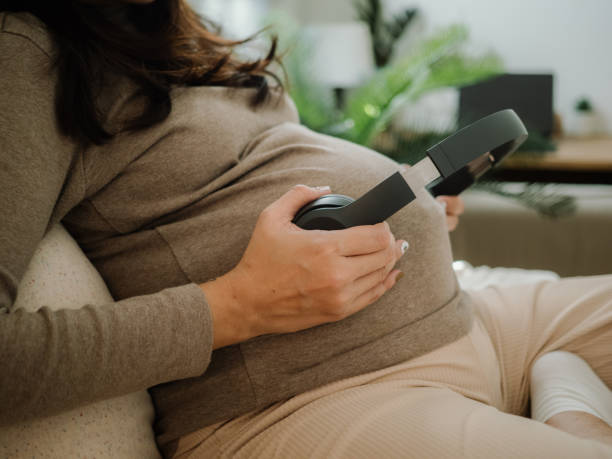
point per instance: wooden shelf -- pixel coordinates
(572, 155)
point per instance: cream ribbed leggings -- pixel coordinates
(466, 399)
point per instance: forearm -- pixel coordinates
(231, 322)
(52, 361)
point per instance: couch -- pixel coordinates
(60, 276)
(497, 231)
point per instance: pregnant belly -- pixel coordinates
(209, 237)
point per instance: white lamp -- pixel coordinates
(239, 18)
(342, 53)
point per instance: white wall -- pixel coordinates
(570, 38)
(239, 18)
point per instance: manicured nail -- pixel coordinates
(404, 246)
(399, 276)
(323, 188)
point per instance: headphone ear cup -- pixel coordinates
(323, 213)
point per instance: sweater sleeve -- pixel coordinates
(56, 360)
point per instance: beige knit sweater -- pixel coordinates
(162, 210)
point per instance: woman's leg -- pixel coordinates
(448, 403)
(452, 402)
(573, 314)
(567, 394)
(395, 420)
(583, 425)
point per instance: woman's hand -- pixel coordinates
(454, 207)
(291, 279)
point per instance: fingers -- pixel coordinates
(380, 262)
(454, 204)
(361, 240)
(452, 222)
(293, 200)
(374, 293)
(454, 207)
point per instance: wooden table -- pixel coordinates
(575, 161)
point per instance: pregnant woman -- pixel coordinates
(174, 165)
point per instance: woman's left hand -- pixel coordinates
(454, 207)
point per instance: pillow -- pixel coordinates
(60, 276)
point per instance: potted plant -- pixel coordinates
(585, 119)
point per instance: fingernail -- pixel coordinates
(323, 188)
(404, 246)
(399, 276)
(443, 204)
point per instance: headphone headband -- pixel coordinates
(498, 134)
(459, 159)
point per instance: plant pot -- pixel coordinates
(585, 124)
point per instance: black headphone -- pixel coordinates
(460, 159)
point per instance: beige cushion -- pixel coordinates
(497, 231)
(60, 276)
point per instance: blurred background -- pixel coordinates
(400, 75)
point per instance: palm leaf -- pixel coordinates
(545, 199)
(434, 64)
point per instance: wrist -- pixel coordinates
(231, 318)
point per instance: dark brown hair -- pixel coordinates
(157, 45)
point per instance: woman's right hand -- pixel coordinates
(290, 279)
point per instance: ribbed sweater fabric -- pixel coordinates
(160, 211)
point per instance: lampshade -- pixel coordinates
(342, 53)
(238, 18)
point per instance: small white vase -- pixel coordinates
(585, 124)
